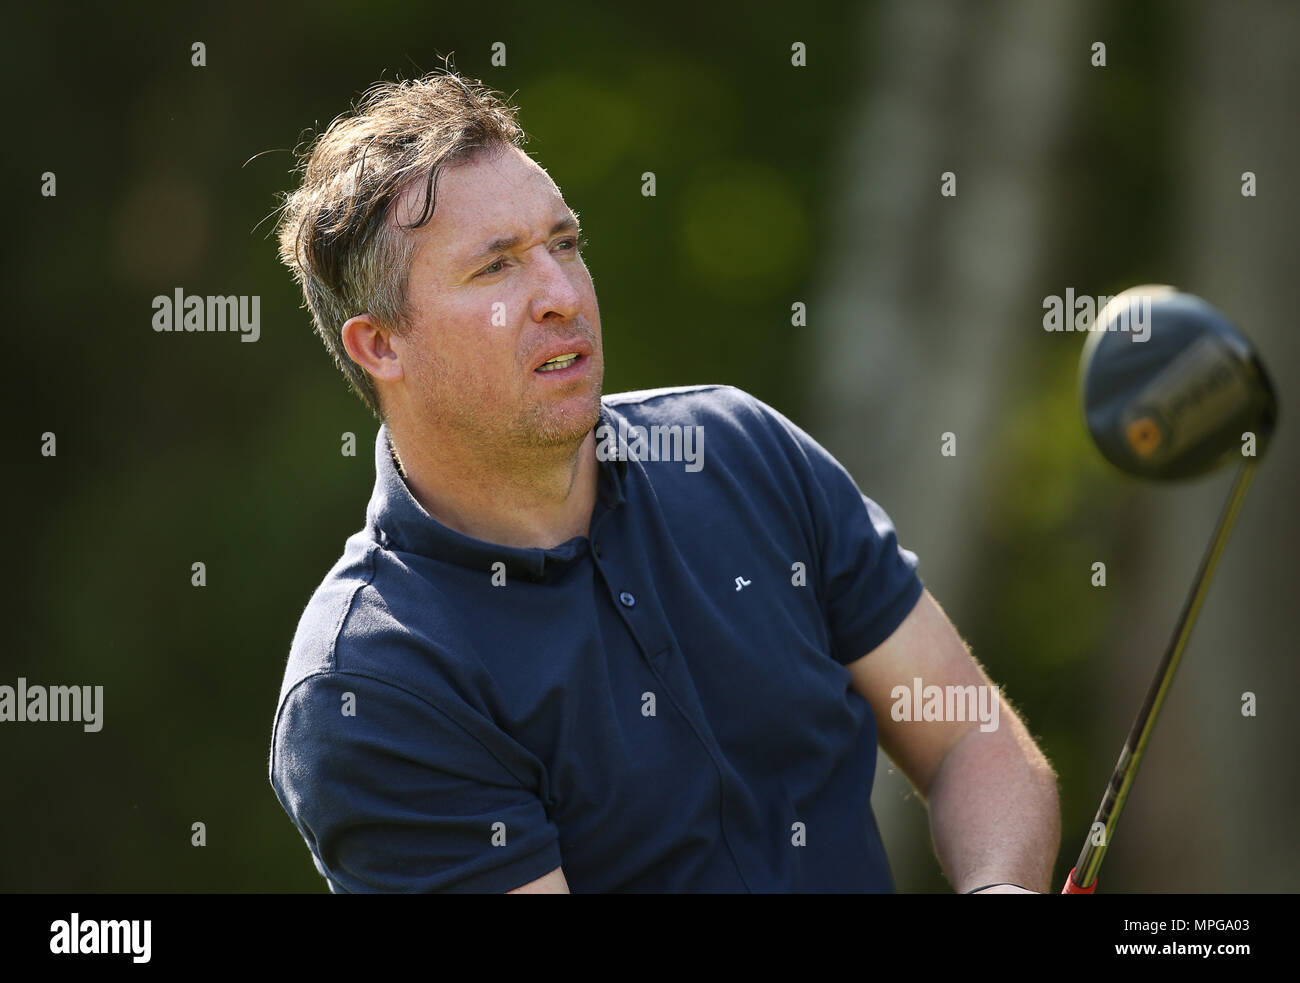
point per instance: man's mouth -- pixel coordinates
(558, 362)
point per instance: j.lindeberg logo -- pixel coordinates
(39, 704)
(656, 443)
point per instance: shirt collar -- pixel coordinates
(396, 520)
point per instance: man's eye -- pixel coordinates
(574, 244)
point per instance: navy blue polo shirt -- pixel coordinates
(663, 706)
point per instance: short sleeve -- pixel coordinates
(868, 581)
(394, 795)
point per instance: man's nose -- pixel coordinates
(556, 289)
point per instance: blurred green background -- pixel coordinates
(777, 184)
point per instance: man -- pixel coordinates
(569, 650)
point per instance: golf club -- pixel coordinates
(1171, 390)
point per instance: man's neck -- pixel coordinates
(541, 498)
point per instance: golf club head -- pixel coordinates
(1169, 386)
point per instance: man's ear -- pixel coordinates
(369, 344)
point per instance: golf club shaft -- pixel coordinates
(1082, 879)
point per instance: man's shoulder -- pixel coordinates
(716, 402)
(373, 633)
(347, 616)
(728, 415)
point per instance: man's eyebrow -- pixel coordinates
(569, 223)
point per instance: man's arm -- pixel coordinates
(994, 808)
(552, 883)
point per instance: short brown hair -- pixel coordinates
(334, 231)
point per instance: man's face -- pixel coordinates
(487, 312)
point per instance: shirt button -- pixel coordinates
(596, 549)
(627, 599)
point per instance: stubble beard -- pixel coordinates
(477, 421)
(543, 426)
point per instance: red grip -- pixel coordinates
(1072, 888)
